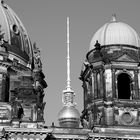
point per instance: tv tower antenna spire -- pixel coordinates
(68, 94)
(69, 116)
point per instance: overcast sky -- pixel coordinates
(45, 21)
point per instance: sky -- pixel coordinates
(45, 21)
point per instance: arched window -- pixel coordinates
(124, 86)
(4, 88)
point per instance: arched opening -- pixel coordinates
(124, 86)
(4, 88)
(7, 82)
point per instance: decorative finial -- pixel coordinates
(113, 18)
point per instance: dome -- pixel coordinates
(69, 117)
(115, 32)
(15, 35)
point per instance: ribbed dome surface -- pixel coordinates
(15, 34)
(115, 33)
(69, 117)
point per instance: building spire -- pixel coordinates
(68, 94)
(68, 57)
(68, 116)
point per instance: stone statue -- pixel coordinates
(40, 111)
(97, 45)
(17, 110)
(87, 119)
(37, 59)
(1, 36)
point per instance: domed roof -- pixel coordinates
(115, 32)
(69, 116)
(15, 34)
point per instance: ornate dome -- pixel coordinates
(15, 34)
(69, 117)
(115, 32)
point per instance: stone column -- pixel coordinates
(113, 84)
(98, 84)
(101, 83)
(92, 78)
(95, 85)
(108, 84)
(136, 84)
(90, 85)
(85, 93)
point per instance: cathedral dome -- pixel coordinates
(15, 35)
(69, 117)
(115, 32)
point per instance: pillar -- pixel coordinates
(92, 78)
(95, 85)
(108, 83)
(136, 84)
(101, 83)
(113, 84)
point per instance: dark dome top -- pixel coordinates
(15, 34)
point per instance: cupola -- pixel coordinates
(111, 77)
(115, 32)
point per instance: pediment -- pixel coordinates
(126, 58)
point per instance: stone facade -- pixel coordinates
(109, 100)
(21, 98)
(110, 77)
(111, 87)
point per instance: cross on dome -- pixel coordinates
(113, 18)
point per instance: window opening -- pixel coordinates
(124, 86)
